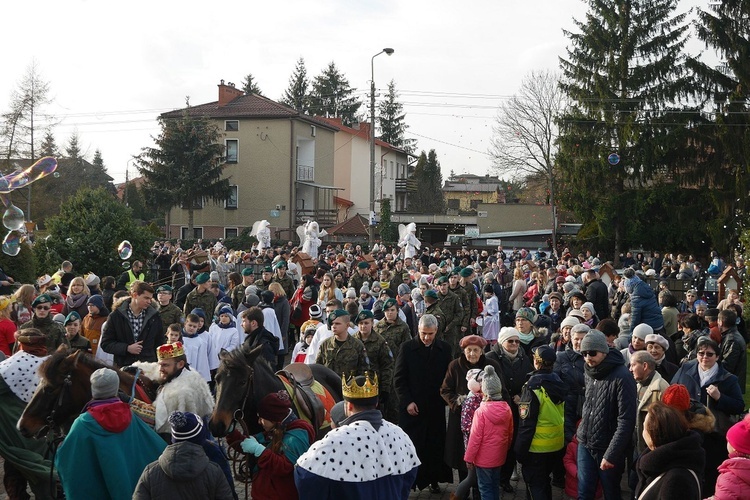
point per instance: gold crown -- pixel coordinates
(352, 390)
(169, 351)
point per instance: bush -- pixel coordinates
(22, 267)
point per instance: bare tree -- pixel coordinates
(525, 131)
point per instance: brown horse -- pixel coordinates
(64, 390)
(243, 379)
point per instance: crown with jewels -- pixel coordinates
(169, 351)
(352, 390)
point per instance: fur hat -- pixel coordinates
(186, 426)
(595, 341)
(491, 385)
(104, 384)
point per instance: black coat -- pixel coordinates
(673, 460)
(609, 409)
(417, 378)
(268, 340)
(597, 294)
(569, 366)
(117, 335)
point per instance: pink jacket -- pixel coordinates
(734, 479)
(490, 436)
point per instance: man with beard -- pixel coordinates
(42, 321)
(420, 369)
(182, 389)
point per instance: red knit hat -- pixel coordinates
(677, 396)
(739, 436)
(275, 406)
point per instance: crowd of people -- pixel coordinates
(494, 364)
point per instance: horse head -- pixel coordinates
(64, 388)
(234, 387)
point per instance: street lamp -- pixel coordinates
(388, 51)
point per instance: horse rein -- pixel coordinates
(57, 438)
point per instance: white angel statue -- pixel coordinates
(407, 239)
(309, 236)
(261, 231)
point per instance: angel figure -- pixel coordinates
(309, 236)
(261, 231)
(407, 239)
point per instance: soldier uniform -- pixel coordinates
(395, 333)
(357, 280)
(435, 310)
(471, 295)
(465, 308)
(454, 314)
(205, 300)
(345, 358)
(285, 281)
(169, 314)
(381, 358)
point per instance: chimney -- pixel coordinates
(227, 93)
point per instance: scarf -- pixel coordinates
(526, 337)
(706, 375)
(508, 354)
(76, 301)
(374, 417)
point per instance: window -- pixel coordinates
(231, 125)
(454, 203)
(392, 170)
(197, 233)
(230, 232)
(475, 204)
(233, 147)
(198, 204)
(231, 202)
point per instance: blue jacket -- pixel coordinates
(644, 306)
(730, 402)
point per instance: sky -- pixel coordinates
(113, 68)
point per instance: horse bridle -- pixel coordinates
(239, 413)
(66, 385)
(57, 437)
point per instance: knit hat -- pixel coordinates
(569, 321)
(186, 426)
(526, 313)
(337, 413)
(545, 353)
(403, 289)
(275, 407)
(677, 396)
(198, 311)
(59, 318)
(315, 312)
(590, 307)
(214, 276)
(506, 333)
(351, 293)
(474, 379)
(251, 300)
(72, 316)
(594, 341)
(365, 288)
(476, 340)
(416, 295)
(91, 279)
(738, 436)
(226, 310)
(491, 385)
(642, 331)
(97, 301)
(104, 384)
(251, 290)
(658, 339)
(576, 313)
(568, 287)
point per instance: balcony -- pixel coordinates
(305, 172)
(406, 185)
(324, 217)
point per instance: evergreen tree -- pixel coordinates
(250, 85)
(428, 199)
(99, 175)
(73, 149)
(297, 94)
(392, 121)
(386, 228)
(333, 97)
(624, 71)
(186, 166)
(49, 145)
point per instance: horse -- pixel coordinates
(64, 390)
(244, 378)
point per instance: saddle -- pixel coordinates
(301, 379)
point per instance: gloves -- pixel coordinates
(460, 399)
(251, 445)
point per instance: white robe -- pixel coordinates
(196, 351)
(186, 392)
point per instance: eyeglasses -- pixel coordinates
(42, 308)
(513, 341)
(706, 354)
(589, 354)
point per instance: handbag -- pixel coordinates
(643, 493)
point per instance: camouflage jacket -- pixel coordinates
(349, 358)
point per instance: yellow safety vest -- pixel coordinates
(550, 433)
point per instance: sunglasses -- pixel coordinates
(706, 354)
(42, 308)
(513, 341)
(589, 354)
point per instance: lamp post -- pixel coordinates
(388, 51)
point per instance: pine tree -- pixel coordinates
(186, 166)
(428, 199)
(49, 146)
(250, 85)
(73, 149)
(333, 97)
(386, 228)
(99, 175)
(392, 121)
(297, 94)
(624, 70)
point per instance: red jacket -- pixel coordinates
(490, 436)
(734, 479)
